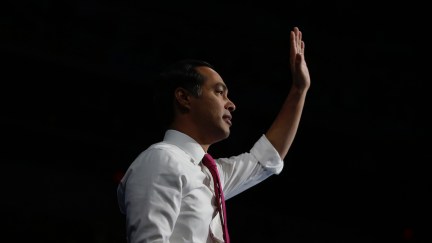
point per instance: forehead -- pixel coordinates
(211, 77)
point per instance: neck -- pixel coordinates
(193, 134)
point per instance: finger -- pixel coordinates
(293, 44)
(299, 41)
(302, 47)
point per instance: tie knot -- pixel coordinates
(208, 161)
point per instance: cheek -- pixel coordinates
(214, 107)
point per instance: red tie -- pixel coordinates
(209, 162)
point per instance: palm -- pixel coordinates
(299, 69)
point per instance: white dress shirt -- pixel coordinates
(167, 192)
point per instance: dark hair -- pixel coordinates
(182, 74)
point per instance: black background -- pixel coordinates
(76, 110)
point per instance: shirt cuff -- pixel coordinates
(267, 155)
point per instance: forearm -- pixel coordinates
(284, 128)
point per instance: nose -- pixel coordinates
(230, 106)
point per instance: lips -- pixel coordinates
(227, 119)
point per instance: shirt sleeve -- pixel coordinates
(239, 173)
(267, 155)
(150, 195)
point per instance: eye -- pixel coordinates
(219, 91)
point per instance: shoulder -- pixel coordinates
(161, 157)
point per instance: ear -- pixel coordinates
(182, 98)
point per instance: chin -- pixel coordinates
(224, 135)
(227, 133)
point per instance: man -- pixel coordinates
(167, 193)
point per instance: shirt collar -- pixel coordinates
(186, 143)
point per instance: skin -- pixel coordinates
(207, 118)
(284, 128)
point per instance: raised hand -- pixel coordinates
(299, 69)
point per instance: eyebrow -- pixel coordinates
(224, 87)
